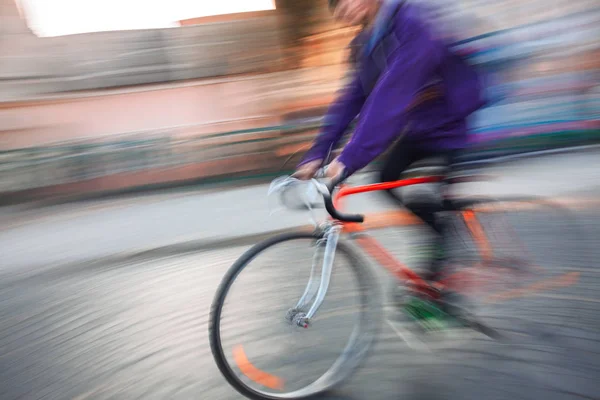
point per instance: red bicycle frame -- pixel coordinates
(372, 247)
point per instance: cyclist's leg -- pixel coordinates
(443, 231)
(398, 160)
(402, 156)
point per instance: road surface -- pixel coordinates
(75, 324)
(138, 330)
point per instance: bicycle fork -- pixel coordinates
(316, 289)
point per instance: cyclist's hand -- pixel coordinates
(335, 170)
(308, 170)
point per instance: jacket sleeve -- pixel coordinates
(384, 112)
(339, 116)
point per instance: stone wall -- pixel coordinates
(105, 111)
(31, 66)
(249, 44)
(201, 107)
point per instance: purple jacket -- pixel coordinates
(405, 59)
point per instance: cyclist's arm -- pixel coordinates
(339, 116)
(383, 114)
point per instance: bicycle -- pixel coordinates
(487, 271)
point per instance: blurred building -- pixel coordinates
(74, 108)
(213, 74)
(236, 87)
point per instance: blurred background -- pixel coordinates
(168, 117)
(101, 96)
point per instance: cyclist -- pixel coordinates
(408, 88)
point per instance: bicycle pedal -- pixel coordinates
(427, 314)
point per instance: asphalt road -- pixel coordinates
(74, 325)
(138, 330)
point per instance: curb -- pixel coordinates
(116, 260)
(373, 221)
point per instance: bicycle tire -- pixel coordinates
(355, 351)
(536, 202)
(528, 273)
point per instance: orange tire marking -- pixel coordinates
(263, 378)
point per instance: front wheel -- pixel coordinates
(255, 339)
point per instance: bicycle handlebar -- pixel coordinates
(338, 215)
(330, 207)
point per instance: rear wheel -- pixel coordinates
(515, 258)
(255, 340)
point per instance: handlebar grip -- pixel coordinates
(331, 208)
(338, 215)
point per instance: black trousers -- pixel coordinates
(402, 156)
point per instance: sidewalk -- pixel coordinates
(82, 232)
